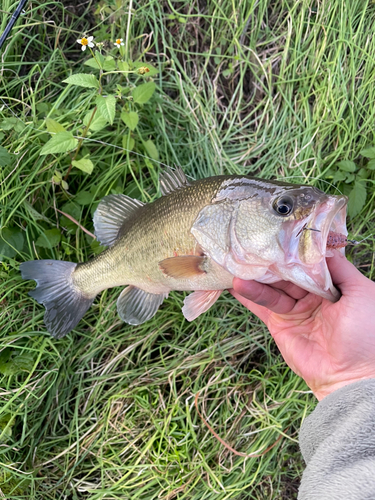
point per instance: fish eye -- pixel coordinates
(283, 205)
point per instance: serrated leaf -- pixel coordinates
(93, 62)
(128, 143)
(8, 123)
(349, 178)
(83, 198)
(143, 92)
(97, 123)
(109, 64)
(83, 80)
(123, 66)
(362, 173)
(347, 166)
(54, 126)
(145, 69)
(357, 198)
(339, 176)
(5, 157)
(130, 119)
(84, 164)
(11, 241)
(368, 152)
(106, 107)
(62, 142)
(49, 239)
(151, 149)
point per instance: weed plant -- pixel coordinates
(274, 89)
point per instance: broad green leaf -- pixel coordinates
(368, 152)
(10, 364)
(49, 239)
(11, 240)
(128, 143)
(5, 157)
(83, 80)
(362, 173)
(84, 198)
(24, 362)
(145, 69)
(4, 358)
(130, 119)
(143, 92)
(357, 198)
(349, 178)
(62, 142)
(339, 176)
(371, 164)
(123, 66)
(72, 209)
(109, 64)
(106, 107)
(97, 123)
(93, 62)
(12, 123)
(54, 126)
(84, 164)
(347, 166)
(151, 149)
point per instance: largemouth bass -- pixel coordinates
(198, 236)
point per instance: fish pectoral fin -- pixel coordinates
(184, 266)
(111, 214)
(199, 302)
(172, 180)
(135, 306)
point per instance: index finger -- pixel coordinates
(270, 298)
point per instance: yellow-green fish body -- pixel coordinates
(197, 237)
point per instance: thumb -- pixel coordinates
(344, 273)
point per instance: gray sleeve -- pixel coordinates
(337, 442)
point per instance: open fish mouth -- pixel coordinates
(330, 217)
(311, 235)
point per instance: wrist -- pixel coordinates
(325, 390)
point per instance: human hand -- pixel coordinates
(328, 344)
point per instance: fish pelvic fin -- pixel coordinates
(135, 306)
(111, 214)
(65, 304)
(199, 302)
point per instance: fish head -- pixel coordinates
(270, 231)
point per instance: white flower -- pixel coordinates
(119, 42)
(86, 42)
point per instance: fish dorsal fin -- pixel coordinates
(135, 306)
(184, 266)
(111, 214)
(199, 302)
(171, 180)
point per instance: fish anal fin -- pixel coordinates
(111, 214)
(199, 302)
(183, 266)
(171, 180)
(135, 306)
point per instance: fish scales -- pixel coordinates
(197, 237)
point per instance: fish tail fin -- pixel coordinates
(65, 304)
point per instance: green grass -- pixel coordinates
(275, 89)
